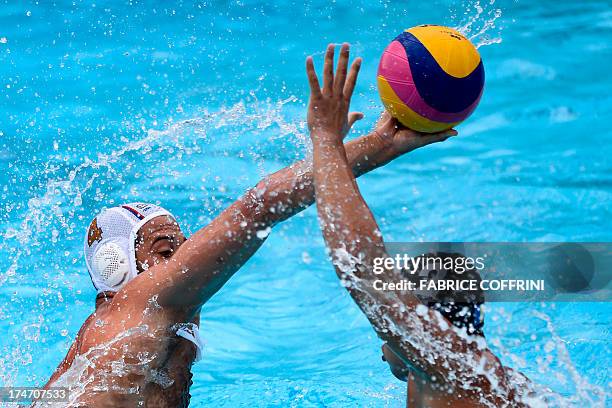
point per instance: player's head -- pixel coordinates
(463, 308)
(123, 241)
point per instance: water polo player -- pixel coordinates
(139, 344)
(448, 358)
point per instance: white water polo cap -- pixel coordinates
(110, 244)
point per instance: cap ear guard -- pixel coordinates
(111, 264)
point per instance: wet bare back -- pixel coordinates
(139, 362)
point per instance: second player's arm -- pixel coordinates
(204, 263)
(416, 333)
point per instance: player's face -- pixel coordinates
(157, 241)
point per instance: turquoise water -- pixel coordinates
(190, 105)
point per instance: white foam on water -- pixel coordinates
(43, 210)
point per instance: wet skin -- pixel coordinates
(420, 392)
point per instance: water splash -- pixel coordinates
(587, 394)
(480, 25)
(59, 206)
(422, 331)
(84, 373)
(63, 196)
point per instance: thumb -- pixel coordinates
(354, 117)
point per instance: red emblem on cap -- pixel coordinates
(95, 232)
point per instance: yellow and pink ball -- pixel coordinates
(430, 78)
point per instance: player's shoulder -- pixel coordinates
(90, 332)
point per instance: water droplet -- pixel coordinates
(261, 234)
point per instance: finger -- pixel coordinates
(426, 139)
(315, 89)
(341, 69)
(351, 79)
(354, 117)
(328, 73)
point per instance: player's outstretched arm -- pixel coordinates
(420, 336)
(211, 256)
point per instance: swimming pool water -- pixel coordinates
(189, 105)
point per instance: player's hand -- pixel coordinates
(393, 134)
(328, 109)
